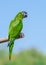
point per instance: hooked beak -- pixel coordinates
(25, 14)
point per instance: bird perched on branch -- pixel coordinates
(15, 28)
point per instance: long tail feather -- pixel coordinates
(10, 49)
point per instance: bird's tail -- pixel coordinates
(11, 44)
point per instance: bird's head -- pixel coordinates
(22, 14)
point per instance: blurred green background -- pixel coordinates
(26, 57)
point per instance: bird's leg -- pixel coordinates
(21, 35)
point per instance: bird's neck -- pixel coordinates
(19, 18)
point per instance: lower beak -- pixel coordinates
(25, 16)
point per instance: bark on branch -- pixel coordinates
(5, 39)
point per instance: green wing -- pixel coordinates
(15, 28)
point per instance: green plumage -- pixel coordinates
(15, 28)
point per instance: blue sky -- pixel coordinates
(34, 27)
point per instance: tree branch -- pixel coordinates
(2, 40)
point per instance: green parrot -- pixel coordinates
(15, 28)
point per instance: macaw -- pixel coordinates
(15, 28)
